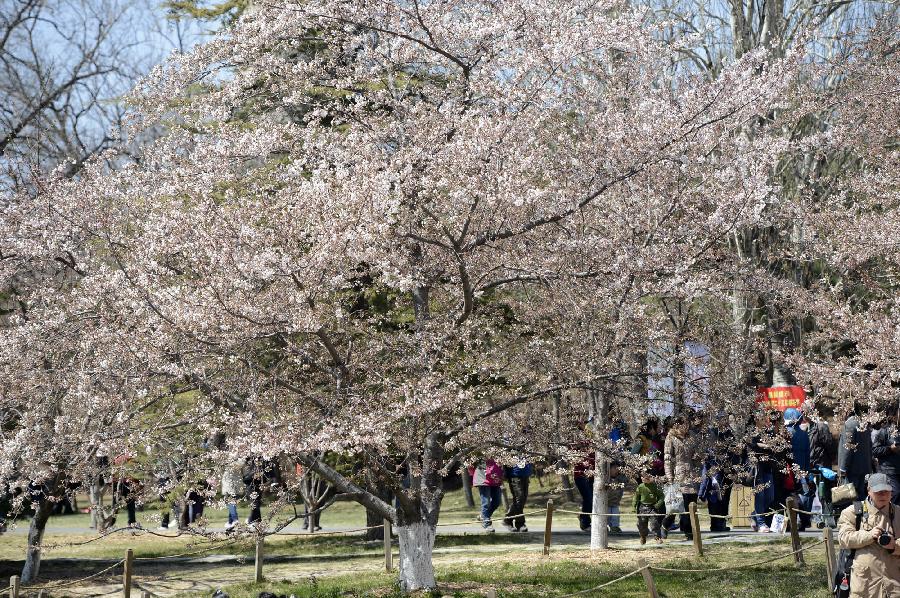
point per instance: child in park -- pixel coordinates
(649, 504)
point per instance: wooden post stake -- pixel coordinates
(830, 560)
(388, 556)
(695, 528)
(258, 574)
(126, 574)
(491, 593)
(795, 530)
(145, 594)
(14, 586)
(548, 527)
(648, 578)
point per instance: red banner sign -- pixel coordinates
(781, 397)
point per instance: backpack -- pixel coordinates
(845, 560)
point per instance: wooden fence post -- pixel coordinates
(126, 574)
(648, 578)
(145, 594)
(258, 574)
(548, 527)
(388, 555)
(695, 529)
(795, 530)
(830, 560)
(14, 586)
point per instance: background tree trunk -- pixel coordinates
(35, 535)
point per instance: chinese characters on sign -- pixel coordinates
(781, 397)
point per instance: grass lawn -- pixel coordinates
(531, 575)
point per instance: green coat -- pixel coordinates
(649, 494)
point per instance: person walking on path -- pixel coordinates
(649, 444)
(584, 481)
(488, 478)
(682, 468)
(855, 452)
(869, 528)
(518, 478)
(649, 504)
(766, 456)
(821, 458)
(804, 486)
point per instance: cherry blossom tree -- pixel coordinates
(392, 230)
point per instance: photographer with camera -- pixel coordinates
(866, 532)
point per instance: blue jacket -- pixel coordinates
(800, 446)
(520, 472)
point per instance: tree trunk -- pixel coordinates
(566, 482)
(96, 498)
(416, 548)
(567, 488)
(373, 520)
(467, 487)
(35, 535)
(600, 504)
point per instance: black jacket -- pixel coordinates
(888, 460)
(821, 446)
(855, 449)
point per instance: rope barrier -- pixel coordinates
(77, 581)
(645, 514)
(137, 531)
(603, 585)
(102, 536)
(334, 533)
(173, 556)
(737, 567)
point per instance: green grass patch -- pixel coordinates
(533, 576)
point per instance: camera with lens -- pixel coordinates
(885, 539)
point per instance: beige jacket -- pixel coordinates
(682, 464)
(876, 571)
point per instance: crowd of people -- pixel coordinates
(699, 457)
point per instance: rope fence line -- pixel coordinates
(191, 532)
(334, 533)
(216, 542)
(202, 550)
(136, 531)
(666, 514)
(603, 585)
(744, 566)
(74, 582)
(644, 568)
(707, 570)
